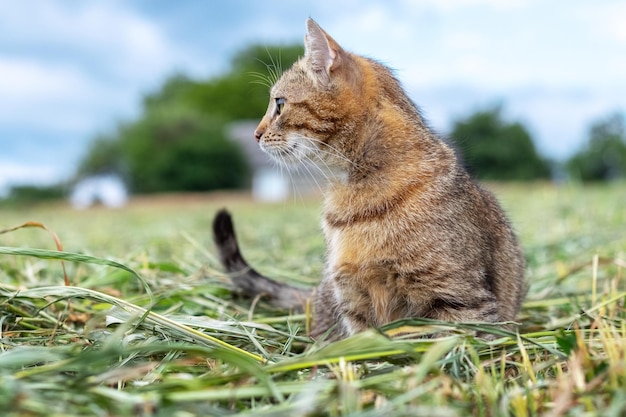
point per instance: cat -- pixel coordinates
(408, 232)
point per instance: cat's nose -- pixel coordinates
(258, 133)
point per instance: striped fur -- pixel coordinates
(408, 232)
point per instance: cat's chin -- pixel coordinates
(286, 161)
(301, 153)
(288, 154)
(280, 154)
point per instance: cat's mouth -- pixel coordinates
(292, 152)
(284, 153)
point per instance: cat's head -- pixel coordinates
(314, 106)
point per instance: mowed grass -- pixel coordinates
(150, 327)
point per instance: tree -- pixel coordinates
(495, 149)
(102, 157)
(178, 143)
(242, 93)
(604, 155)
(174, 148)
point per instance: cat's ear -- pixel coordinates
(325, 55)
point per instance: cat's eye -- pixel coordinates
(280, 103)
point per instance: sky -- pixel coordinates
(72, 69)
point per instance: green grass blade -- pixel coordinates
(63, 292)
(73, 257)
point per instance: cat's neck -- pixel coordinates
(394, 145)
(388, 139)
(393, 157)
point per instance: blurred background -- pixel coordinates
(100, 100)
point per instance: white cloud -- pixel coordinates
(77, 41)
(75, 67)
(454, 5)
(499, 45)
(49, 95)
(70, 70)
(110, 33)
(22, 78)
(606, 20)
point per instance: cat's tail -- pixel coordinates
(249, 282)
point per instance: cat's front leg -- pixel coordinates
(481, 308)
(327, 323)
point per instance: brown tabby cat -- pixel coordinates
(408, 232)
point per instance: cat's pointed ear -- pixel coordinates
(325, 55)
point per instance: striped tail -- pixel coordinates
(249, 282)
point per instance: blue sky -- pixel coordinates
(71, 69)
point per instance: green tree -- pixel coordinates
(178, 143)
(242, 93)
(175, 148)
(604, 155)
(495, 149)
(103, 156)
(29, 194)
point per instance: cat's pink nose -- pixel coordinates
(258, 133)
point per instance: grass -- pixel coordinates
(149, 326)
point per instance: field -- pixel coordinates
(149, 325)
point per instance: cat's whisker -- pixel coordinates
(319, 154)
(324, 172)
(327, 171)
(261, 79)
(333, 151)
(275, 68)
(310, 149)
(332, 154)
(310, 175)
(279, 160)
(310, 163)
(301, 152)
(291, 169)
